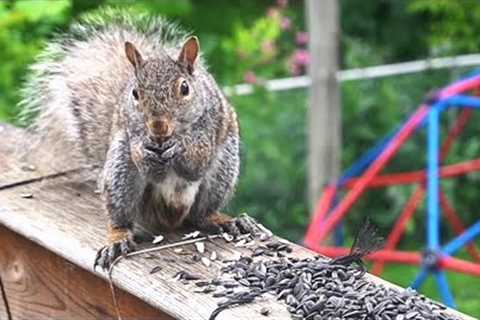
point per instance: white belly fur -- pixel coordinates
(177, 192)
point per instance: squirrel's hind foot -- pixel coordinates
(243, 224)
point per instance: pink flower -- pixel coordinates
(286, 23)
(301, 57)
(242, 54)
(273, 13)
(301, 38)
(298, 62)
(294, 69)
(250, 77)
(268, 48)
(282, 3)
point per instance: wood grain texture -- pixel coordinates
(41, 285)
(4, 312)
(65, 217)
(13, 140)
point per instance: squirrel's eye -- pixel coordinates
(135, 94)
(184, 89)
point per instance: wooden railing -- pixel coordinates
(50, 230)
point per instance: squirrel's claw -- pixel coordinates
(108, 254)
(241, 225)
(247, 224)
(169, 152)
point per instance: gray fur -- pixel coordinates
(81, 90)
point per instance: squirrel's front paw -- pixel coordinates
(121, 243)
(161, 153)
(149, 155)
(108, 254)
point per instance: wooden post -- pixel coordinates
(324, 100)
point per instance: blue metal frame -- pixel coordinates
(468, 235)
(433, 209)
(443, 288)
(420, 278)
(433, 238)
(432, 123)
(450, 248)
(366, 159)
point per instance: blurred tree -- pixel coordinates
(453, 25)
(23, 26)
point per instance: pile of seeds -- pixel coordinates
(314, 288)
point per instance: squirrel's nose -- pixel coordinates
(161, 128)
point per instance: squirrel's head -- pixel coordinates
(165, 89)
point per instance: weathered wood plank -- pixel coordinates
(40, 284)
(3, 307)
(65, 217)
(13, 141)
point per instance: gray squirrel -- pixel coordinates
(132, 95)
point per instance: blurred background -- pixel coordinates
(254, 41)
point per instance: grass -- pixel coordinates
(465, 288)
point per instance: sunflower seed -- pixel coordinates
(265, 311)
(26, 195)
(191, 235)
(213, 256)
(241, 243)
(184, 275)
(158, 239)
(155, 269)
(200, 246)
(29, 167)
(228, 237)
(206, 261)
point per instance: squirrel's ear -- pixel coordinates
(189, 53)
(133, 55)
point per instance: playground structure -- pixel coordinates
(365, 174)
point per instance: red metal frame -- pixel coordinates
(418, 195)
(399, 227)
(339, 212)
(406, 257)
(411, 177)
(457, 225)
(322, 224)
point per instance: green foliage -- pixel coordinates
(37, 10)
(273, 166)
(262, 46)
(386, 27)
(453, 25)
(172, 9)
(244, 49)
(464, 290)
(23, 27)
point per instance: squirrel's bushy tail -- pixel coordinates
(76, 82)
